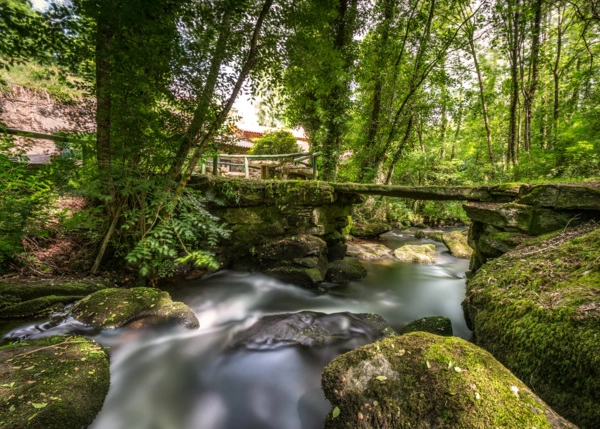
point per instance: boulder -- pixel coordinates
(290, 248)
(434, 325)
(422, 381)
(537, 310)
(423, 254)
(369, 230)
(113, 308)
(56, 382)
(432, 235)
(368, 251)
(513, 217)
(31, 298)
(345, 271)
(311, 329)
(336, 252)
(456, 242)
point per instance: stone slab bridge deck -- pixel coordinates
(502, 216)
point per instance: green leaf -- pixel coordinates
(335, 413)
(40, 405)
(428, 365)
(381, 377)
(457, 369)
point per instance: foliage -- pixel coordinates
(24, 193)
(46, 78)
(275, 142)
(178, 240)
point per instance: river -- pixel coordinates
(171, 378)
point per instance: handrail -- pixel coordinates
(35, 135)
(283, 155)
(264, 169)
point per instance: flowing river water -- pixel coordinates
(171, 378)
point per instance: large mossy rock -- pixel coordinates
(437, 325)
(311, 329)
(30, 298)
(369, 230)
(423, 381)
(457, 244)
(345, 271)
(537, 309)
(53, 383)
(422, 254)
(113, 308)
(368, 251)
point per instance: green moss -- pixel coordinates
(423, 254)
(537, 309)
(112, 308)
(434, 325)
(37, 306)
(54, 383)
(20, 291)
(420, 380)
(456, 242)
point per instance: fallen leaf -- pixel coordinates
(381, 377)
(428, 365)
(457, 369)
(335, 413)
(40, 405)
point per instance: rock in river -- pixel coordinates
(423, 381)
(311, 329)
(345, 271)
(55, 383)
(368, 251)
(113, 308)
(423, 254)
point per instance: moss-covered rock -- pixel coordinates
(311, 329)
(369, 230)
(456, 242)
(528, 219)
(422, 254)
(18, 291)
(345, 271)
(37, 306)
(54, 383)
(420, 381)
(368, 251)
(434, 325)
(297, 275)
(113, 308)
(563, 196)
(291, 248)
(537, 309)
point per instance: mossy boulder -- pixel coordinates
(437, 325)
(291, 248)
(113, 308)
(513, 217)
(456, 242)
(432, 235)
(369, 230)
(368, 251)
(54, 383)
(311, 329)
(537, 309)
(29, 298)
(422, 254)
(423, 381)
(345, 271)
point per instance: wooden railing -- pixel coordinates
(262, 162)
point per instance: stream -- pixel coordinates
(172, 378)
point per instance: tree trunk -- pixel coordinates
(104, 36)
(511, 152)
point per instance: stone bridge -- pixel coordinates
(294, 230)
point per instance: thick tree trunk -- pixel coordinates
(104, 35)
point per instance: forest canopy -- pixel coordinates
(406, 93)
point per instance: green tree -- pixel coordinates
(275, 142)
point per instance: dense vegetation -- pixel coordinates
(417, 92)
